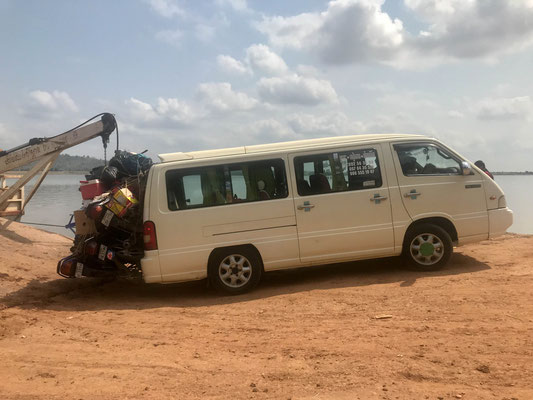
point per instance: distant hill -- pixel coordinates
(512, 173)
(66, 162)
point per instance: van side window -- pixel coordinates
(226, 184)
(426, 159)
(337, 172)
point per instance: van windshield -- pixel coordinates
(426, 159)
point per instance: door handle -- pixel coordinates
(377, 198)
(305, 207)
(412, 194)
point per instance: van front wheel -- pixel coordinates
(235, 270)
(427, 247)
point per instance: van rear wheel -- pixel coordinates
(235, 270)
(427, 247)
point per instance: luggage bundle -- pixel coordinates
(109, 231)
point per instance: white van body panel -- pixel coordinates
(150, 267)
(460, 199)
(341, 226)
(499, 220)
(400, 218)
(344, 225)
(500, 216)
(150, 262)
(186, 238)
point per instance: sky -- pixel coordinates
(191, 75)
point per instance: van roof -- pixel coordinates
(275, 147)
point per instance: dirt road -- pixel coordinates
(365, 330)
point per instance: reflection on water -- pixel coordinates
(59, 196)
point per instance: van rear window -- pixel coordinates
(226, 184)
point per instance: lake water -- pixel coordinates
(519, 192)
(54, 202)
(59, 196)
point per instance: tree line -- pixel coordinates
(66, 162)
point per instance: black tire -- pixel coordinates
(427, 247)
(235, 270)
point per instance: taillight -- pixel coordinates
(66, 267)
(91, 247)
(150, 238)
(95, 212)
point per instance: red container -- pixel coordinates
(91, 189)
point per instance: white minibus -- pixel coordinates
(231, 214)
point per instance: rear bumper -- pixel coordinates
(150, 267)
(499, 221)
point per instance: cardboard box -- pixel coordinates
(84, 225)
(121, 202)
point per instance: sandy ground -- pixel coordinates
(464, 332)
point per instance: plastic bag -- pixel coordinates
(130, 164)
(109, 176)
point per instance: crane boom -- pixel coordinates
(38, 148)
(44, 151)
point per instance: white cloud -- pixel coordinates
(400, 123)
(329, 124)
(351, 31)
(505, 108)
(348, 31)
(63, 100)
(407, 100)
(184, 125)
(43, 99)
(176, 110)
(237, 5)
(169, 112)
(204, 28)
(455, 114)
(172, 37)
(461, 29)
(294, 32)
(55, 101)
(221, 97)
(264, 61)
(205, 32)
(141, 110)
(259, 59)
(269, 131)
(166, 8)
(307, 70)
(230, 65)
(295, 89)
(378, 87)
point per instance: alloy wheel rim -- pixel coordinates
(235, 271)
(427, 249)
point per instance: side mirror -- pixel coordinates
(465, 167)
